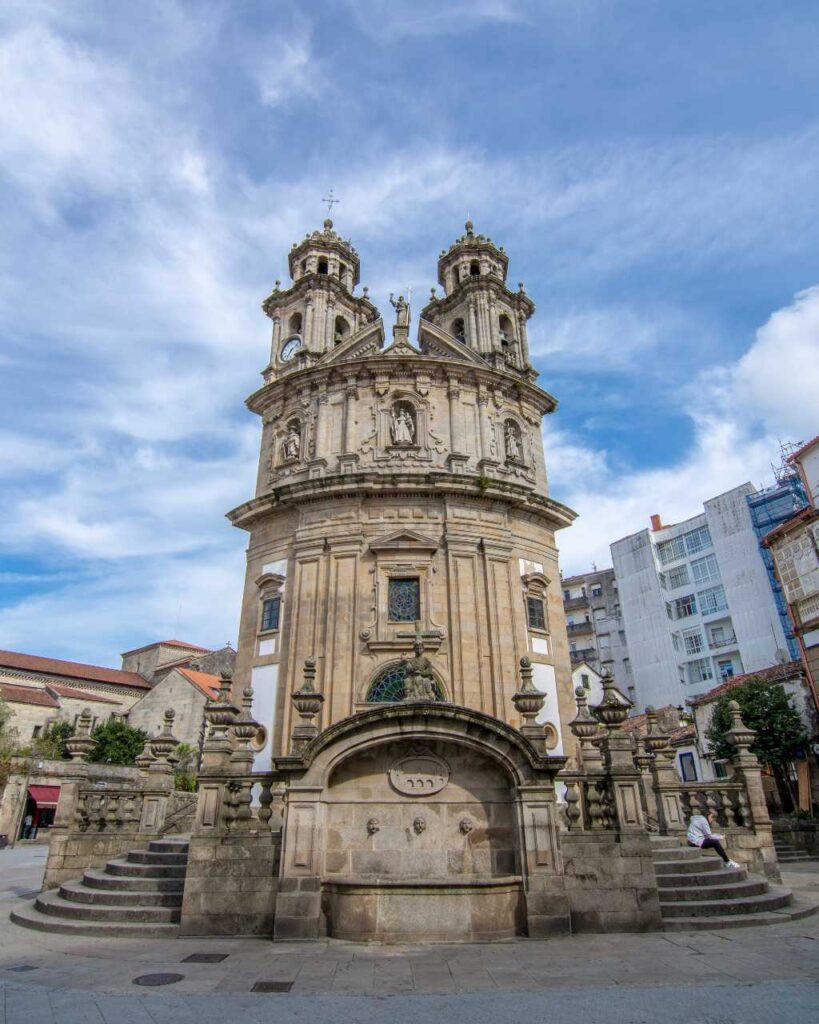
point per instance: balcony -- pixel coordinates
(579, 628)
(718, 645)
(587, 654)
(576, 604)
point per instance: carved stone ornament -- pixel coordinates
(419, 826)
(372, 826)
(465, 825)
(420, 774)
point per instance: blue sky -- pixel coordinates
(650, 168)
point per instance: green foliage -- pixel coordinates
(51, 746)
(767, 709)
(185, 771)
(8, 741)
(116, 743)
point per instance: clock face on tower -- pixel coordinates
(290, 348)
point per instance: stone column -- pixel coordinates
(308, 323)
(347, 462)
(474, 337)
(664, 777)
(329, 325)
(277, 337)
(523, 339)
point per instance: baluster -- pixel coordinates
(265, 801)
(572, 812)
(744, 807)
(711, 805)
(728, 808)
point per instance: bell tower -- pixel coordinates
(319, 310)
(477, 307)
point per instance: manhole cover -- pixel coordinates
(272, 986)
(23, 967)
(205, 958)
(158, 979)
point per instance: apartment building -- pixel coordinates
(594, 624)
(696, 602)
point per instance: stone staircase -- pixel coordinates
(787, 853)
(139, 895)
(697, 891)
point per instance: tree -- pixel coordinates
(8, 740)
(767, 709)
(184, 776)
(116, 743)
(51, 745)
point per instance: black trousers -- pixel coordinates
(713, 844)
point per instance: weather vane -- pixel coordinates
(331, 201)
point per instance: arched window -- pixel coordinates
(304, 266)
(474, 268)
(458, 329)
(388, 686)
(322, 266)
(342, 330)
(295, 323)
(505, 331)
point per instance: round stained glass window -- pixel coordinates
(389, 687)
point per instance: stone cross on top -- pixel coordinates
(331, 201)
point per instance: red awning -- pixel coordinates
(44, 796)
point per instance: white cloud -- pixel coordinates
(776, 380)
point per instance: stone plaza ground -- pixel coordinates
(737, 976)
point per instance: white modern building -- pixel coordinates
(696, 602)
(594, 625)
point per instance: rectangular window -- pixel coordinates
(678, 577)
(720, 771)
(566, 595)
(596, 590)
(712, 600)
(599, 613)
(270, 613)
(35, 732)
(671, 550)
(688, 768)
(693, 640)
(697, 540)
(726, 669)
(404, 600)
(536, 613)
(584, 679)
(604, 641)
(700, 671)
(685, 606)
(704, 570)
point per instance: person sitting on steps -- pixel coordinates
(700, 834)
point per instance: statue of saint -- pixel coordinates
(419, 681)
(401, 308)
(512, 443)
(291, 444)
(402, 427)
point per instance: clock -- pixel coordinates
(290, 348)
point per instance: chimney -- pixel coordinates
(656, 523)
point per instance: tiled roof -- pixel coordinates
(72, 693)
(72, 670)
(638, 724)
(684, 734)
(803, 449)
(208, 684)
(28, 695)
(181, 643)
(774, 674)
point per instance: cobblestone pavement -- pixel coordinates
(722, 977)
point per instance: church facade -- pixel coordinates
(401, 495)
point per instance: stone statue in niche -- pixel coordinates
(512, 444)
(419, 681)
(402, 426)
(291, 445)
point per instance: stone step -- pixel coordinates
(76, 892)
(692, 866)
(795, 911)
(664, 842)
(133, 870)
(799, 855)
(728, 891)
(168, 845)
(96, 878)
(155, 857)
(775, 898)
(29, 917)
(699, 878)
(676, 853)
(53, 905)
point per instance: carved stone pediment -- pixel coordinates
(435, 341)
(401, 348)
(366, 342)
(404, 540)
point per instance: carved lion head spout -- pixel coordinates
(419, 826)
(372, 827)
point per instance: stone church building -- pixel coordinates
(399, 755)
(401, 489)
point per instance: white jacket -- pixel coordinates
(699, 829)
